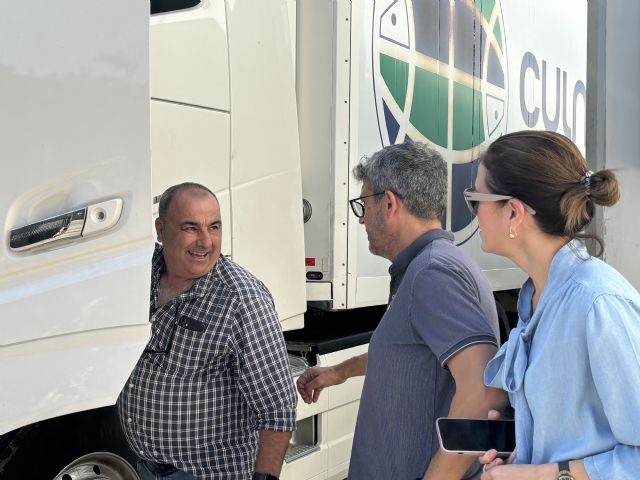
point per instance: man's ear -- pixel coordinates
(392, 202)
(159, 229)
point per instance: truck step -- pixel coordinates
(297, 451)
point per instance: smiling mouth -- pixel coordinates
(198, 254)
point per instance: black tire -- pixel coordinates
(73, 447)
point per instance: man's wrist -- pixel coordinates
(263, 476)
(340, 373)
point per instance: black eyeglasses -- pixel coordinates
(473, 199)
(357, 205)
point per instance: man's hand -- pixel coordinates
(311, 382)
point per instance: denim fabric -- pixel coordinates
(572, 368)
(146, 471)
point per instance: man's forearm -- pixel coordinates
(471, 400)
(271, 451)
(353, 367)
(448, 466)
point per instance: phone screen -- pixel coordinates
(476, 436)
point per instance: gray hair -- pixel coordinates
(414, 171)
(169, 193)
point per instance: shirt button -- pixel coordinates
(129, 420)
(141, 452)
(131, 385)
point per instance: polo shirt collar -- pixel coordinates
(402, 260)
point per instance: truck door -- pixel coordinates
(75, 204)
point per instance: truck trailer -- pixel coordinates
(270, 104)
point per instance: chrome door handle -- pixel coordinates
(71, 225)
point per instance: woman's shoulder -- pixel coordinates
(599, 278)
(605, 297)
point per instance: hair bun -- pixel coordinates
(604, 188)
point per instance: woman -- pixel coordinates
(572, 365)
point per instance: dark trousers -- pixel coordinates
(155, 471)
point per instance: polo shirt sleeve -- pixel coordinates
(446, 313)
(613, 342)
(265, 379)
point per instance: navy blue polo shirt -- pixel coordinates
(440, 304)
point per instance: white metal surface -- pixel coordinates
(531, 35)
(189, 143)
(192, 144)
(102, 216)
(337, 412)
(179, 37)
(266, 193)
(324, 104)
(315, 103)
(622, 107)
(74, 131)
(64, 374)
(341, 135)
(228, 120)
(523, 39)
(519, 43)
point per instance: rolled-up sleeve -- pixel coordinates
(265, 379)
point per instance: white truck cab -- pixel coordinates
(75, 212)
(270, 104)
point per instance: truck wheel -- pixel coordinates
(81, 446)
(98, 465)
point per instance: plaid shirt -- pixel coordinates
(214, 372)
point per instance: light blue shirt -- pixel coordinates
(572, 368)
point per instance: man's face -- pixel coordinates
(191, 234)
(374, 222)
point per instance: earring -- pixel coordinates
(512, 234)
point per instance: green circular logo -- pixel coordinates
(440, 77)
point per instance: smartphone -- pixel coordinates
(474, 437)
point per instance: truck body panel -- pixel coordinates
(453, 74)
(614, 118)
(74, 133)
(241, 141)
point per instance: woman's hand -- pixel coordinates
(495, 468)
(520, 472)
(490, 458)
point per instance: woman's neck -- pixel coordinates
(535, 256)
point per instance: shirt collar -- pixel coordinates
(402, 260)
(201, 286)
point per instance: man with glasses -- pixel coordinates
(213, 385)
(427, 356)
